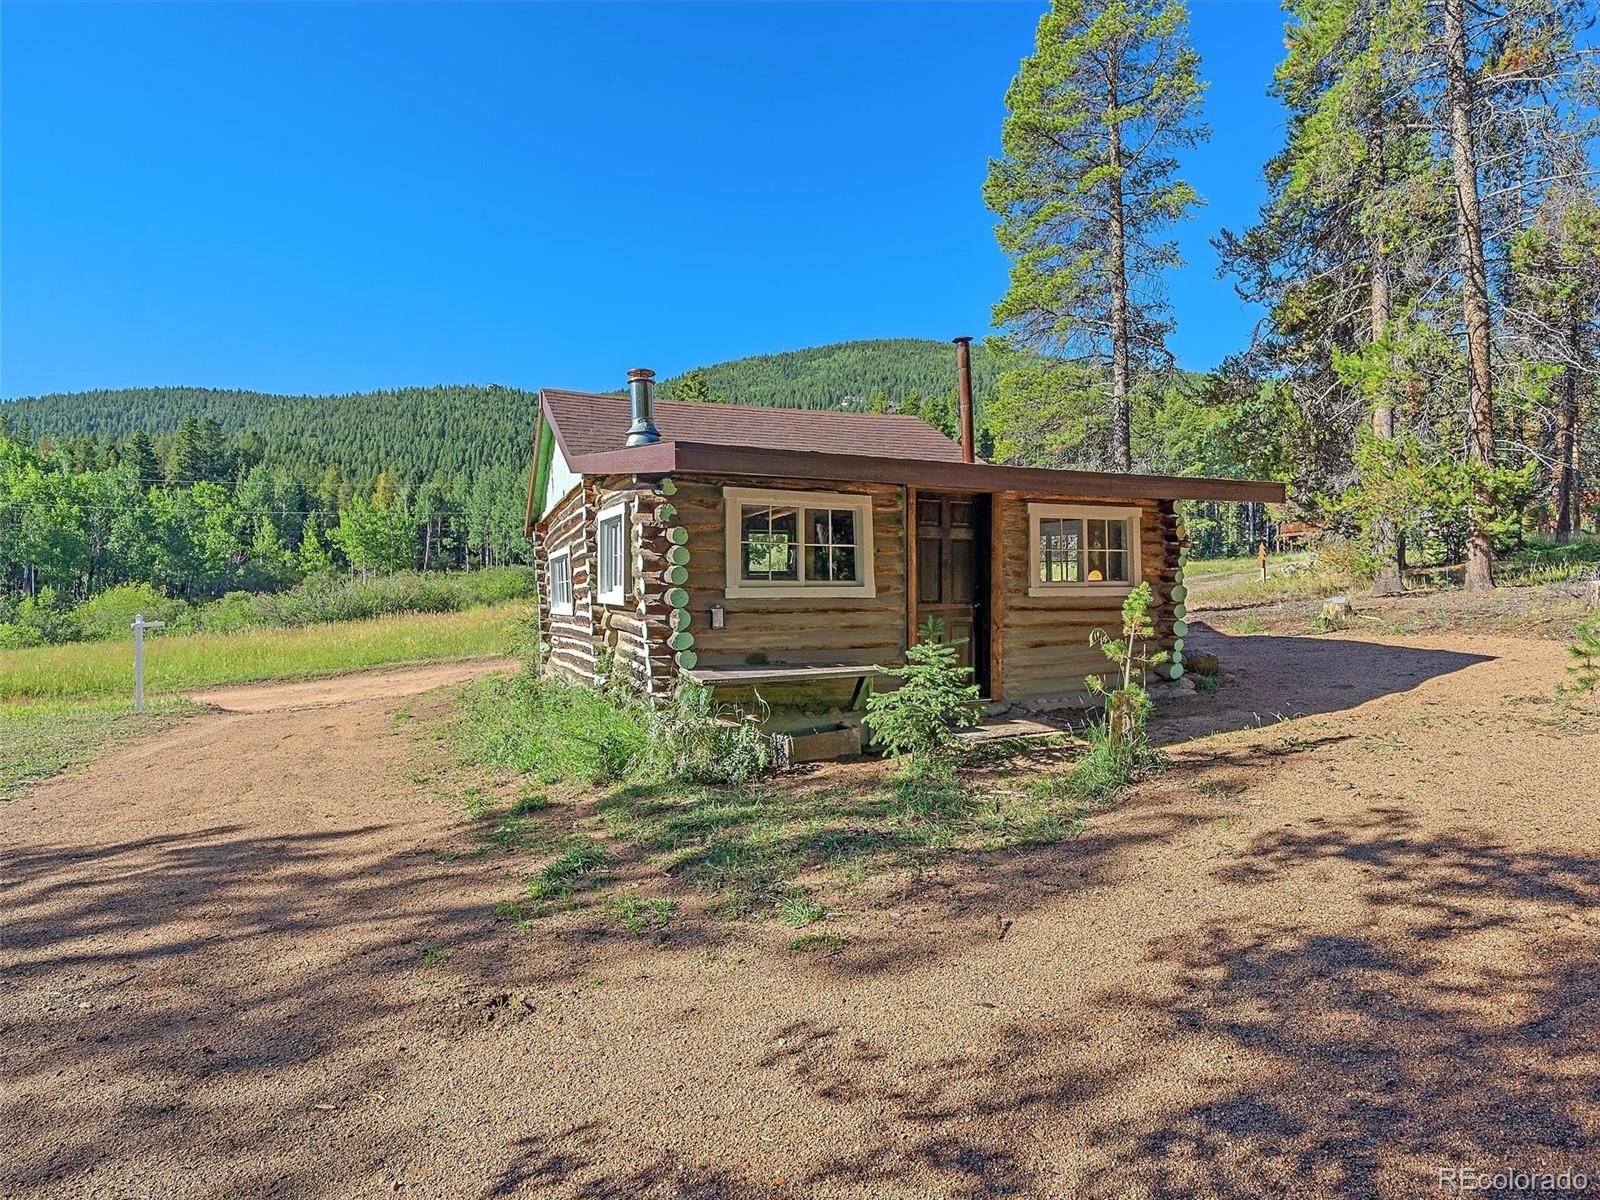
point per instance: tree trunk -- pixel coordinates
(1561, 486)
(1121, 416)
(1474, 290)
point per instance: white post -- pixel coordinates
(139, 626)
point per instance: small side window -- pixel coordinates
(611, 552)
(1078, 548)
(561, 583)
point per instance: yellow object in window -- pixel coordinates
(1095, 577)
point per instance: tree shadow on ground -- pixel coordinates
(1453, 1021)
(1266, 678)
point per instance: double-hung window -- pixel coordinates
(611, 554)
(561, 583)
(789, 544)
(1075, 548)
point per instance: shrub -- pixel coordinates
(233, 612)
(43, 618)
(110, 614)
(1128, 704)
(696, 741)
(936, 696)
(1107, 767)
(324, 598)
(1118, 746)
(19, 637)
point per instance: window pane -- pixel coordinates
(1060, 545)
(817, 564)
(753, 519)
(844, 564)
(816, 527)
(785, 525)
(758, 555)
(769, 556)
(1096, 531)
(1117, 535)
(1117, 565)
(785, 560)
(844, 527)
(1097, 566)
(610, 548)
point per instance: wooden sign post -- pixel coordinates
(139, 626)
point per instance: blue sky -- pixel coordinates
(333, 198)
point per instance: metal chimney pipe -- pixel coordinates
(641, 388)
(964, 391)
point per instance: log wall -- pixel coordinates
(569, 641)
(804, 629)
(637, 631)
(1041, 652)
(1044, 652)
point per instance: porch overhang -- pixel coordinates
(666, 458)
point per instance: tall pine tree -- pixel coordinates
(1087, 189)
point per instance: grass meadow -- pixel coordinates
(60, 705)
(96, 670)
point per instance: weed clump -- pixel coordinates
(568, 871)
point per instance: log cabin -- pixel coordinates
(784, 555)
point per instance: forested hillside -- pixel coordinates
(200, 491)
(842, 375)
(413, 433)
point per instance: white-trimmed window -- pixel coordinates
(611, 553)
(1082, 548)
(783, 543)
(561, 583)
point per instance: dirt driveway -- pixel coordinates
(1323, 957)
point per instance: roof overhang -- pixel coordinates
(666, 458)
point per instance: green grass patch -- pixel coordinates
(638, 916)
(172, 664)
(1101, 772)
(797, 907)
(817, 943)
(553, 731)
(1312, 583)
(1204, 570)
(570, 870)
(45, 738)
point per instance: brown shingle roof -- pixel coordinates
(586, 423)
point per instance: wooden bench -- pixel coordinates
(751, 674)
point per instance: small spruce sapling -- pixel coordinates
(1583, 672)
(936, 696)
(1128, 705)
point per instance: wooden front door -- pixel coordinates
(952, 578)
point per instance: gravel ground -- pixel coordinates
(1327, 956)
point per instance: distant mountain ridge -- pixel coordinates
(463, 428)
(846, 374)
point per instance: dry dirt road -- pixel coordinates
(1329, 956)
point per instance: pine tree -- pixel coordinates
(1087, 188)
(691, 388)
(1557, 303)
(139, 454)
